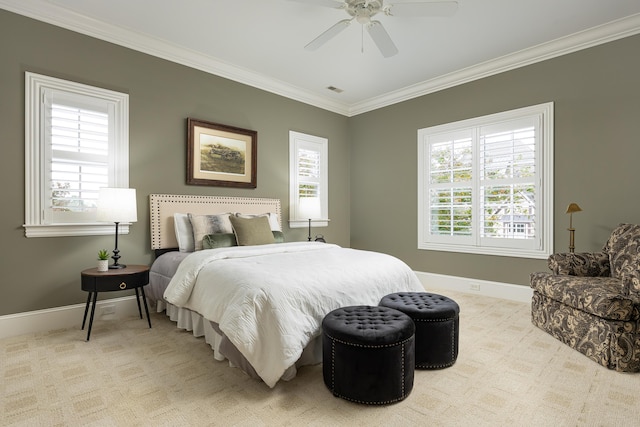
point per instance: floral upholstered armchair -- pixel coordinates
(591, 301)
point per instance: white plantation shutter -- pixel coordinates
(308, 176)
(76, 142)
(77, 134)
(485, 184)
(308, 172)
(508, 180)
(450, 182)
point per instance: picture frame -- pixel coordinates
(221, 155)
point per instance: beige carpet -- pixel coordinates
(508, 373)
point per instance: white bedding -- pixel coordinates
(270, 300)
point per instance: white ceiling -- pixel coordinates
(260, 42)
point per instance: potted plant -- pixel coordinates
(103, 260)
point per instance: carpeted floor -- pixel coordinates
(508, 373)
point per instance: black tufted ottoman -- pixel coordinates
(437, 326)
(368, 354)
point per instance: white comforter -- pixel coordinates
(270, 300)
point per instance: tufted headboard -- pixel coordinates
(164, 206)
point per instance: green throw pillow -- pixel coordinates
(252, 231)
(219, 240)
(278, 236)
(226, 240)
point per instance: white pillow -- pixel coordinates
(208, 224)
(184, 232)
(273, 219)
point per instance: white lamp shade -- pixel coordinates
(117, 205)
(309, 208)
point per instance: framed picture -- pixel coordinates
(220, 155)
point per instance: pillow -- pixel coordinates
(226, 240)
(184, 232)
(273, 219)
(252, 231)
(208, 224)
(219, 240)
(278, 236)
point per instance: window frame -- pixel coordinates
(542, 246)
(297, 141)
(37, 181)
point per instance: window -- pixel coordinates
(485, 184)
(309, 180)
(76, 141)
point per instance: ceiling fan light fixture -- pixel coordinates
(363, 10)
(363, 16)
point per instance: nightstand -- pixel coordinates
(130, 277)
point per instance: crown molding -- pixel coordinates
(64, 18)
(614, 30)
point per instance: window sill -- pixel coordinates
(65, 230)
(302, 223)
(510, 252)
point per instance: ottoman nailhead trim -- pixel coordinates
(434, 320)
(333, 364)
(402, 373)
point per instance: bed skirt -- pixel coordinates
(223, 349)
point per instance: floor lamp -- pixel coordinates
(117, 205)
(573, 207)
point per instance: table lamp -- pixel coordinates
(309, 207)
(117, 205)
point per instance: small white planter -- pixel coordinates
(103, 265)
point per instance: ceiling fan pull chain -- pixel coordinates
(361, 38)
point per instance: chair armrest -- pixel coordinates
(588, 264)
(630, 276)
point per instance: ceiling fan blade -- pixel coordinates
(381, 39)
(328, 35)
(336, 4)
(428, 8)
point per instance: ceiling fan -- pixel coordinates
(363, 10)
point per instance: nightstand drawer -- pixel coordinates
(114, 280)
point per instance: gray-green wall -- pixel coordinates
(39, 273)
(597, 151)
(372, 156)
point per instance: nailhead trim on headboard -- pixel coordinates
(162, 207)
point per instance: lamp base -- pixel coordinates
(572, 244)
(116, 266)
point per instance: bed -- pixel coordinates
(257, 300)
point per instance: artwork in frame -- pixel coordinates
(220, 155)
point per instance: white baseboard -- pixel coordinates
(119, 308)
(508, 291)
(65, 317)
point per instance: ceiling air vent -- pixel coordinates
(335, 89)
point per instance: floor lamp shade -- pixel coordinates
(117, 205)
